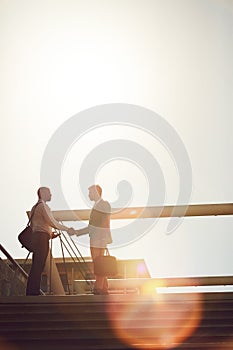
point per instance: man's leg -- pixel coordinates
(38, 262)
(101, 281)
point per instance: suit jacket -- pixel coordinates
(99, 224)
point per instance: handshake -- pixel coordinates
(71, 231)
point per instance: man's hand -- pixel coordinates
(71, 231)
(55, 234)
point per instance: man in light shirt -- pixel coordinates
(42, 223)
(99, 232)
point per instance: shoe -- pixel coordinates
(96, 291)
(100, 292)
(104, 292)
(33, 294)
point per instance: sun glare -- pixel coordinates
(162, 322)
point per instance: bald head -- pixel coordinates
(44, 194)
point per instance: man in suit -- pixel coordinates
(99, 232)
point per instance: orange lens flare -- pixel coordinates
(155, 321)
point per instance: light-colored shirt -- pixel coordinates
(43, 219)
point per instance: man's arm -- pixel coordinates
(51, 221)
(82, 231)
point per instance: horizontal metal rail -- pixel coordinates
(170, 281)
(150, 212)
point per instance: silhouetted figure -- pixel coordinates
(42, 223)
(99, 232)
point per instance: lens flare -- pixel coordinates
(155, 321)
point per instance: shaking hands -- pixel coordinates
(83, 231)
(71, 231)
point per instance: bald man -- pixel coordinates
(42, 223)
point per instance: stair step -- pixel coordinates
(91, 322)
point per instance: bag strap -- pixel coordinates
(33, 212)
(107, 251)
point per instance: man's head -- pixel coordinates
(44, 194)
(95, 192)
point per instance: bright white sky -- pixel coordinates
(59, 57)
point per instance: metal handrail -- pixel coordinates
(12, 260)
(15, 264)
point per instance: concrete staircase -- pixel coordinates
(159, 321)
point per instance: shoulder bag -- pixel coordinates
(25, 237)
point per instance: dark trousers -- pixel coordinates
(41, 244)
(101, 282)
